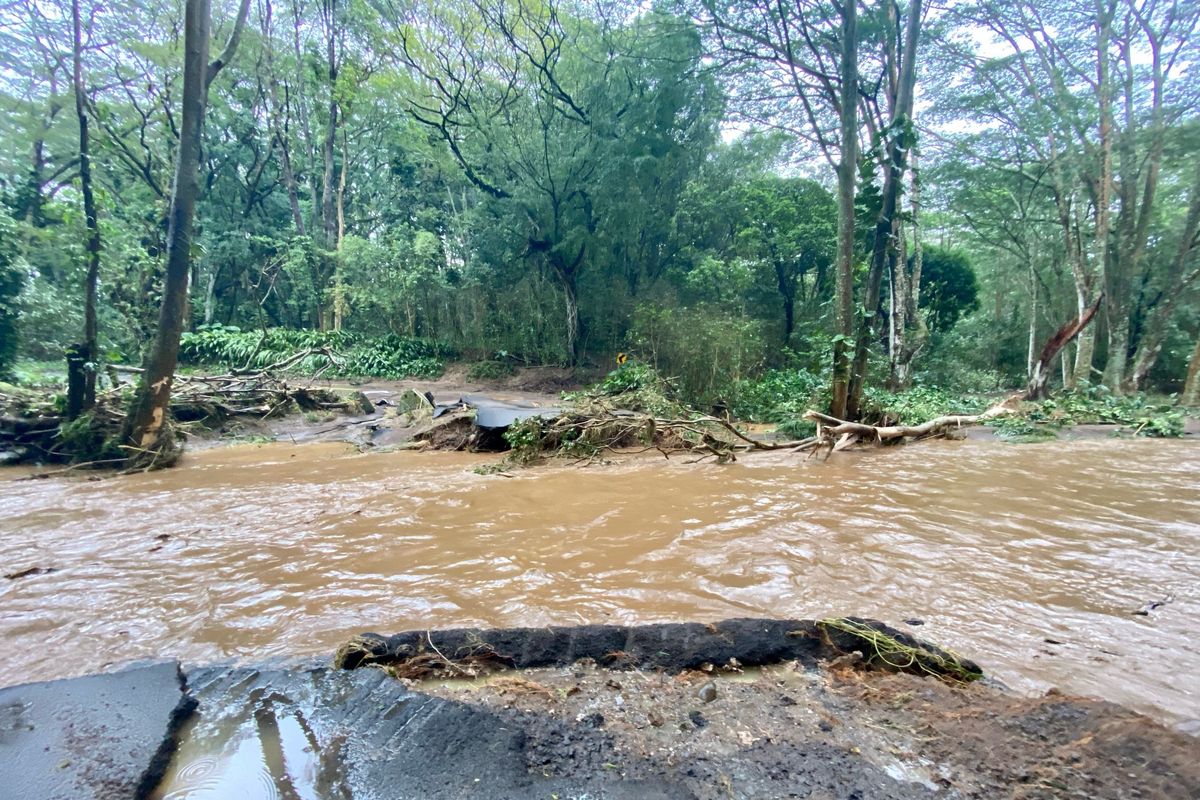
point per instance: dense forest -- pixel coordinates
(828, 198)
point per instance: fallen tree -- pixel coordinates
(838, 434)
(34, 426)
(1040, 373)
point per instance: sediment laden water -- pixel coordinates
(281, 550)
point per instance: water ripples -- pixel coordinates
(286, 550)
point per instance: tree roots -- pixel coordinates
(34, 428)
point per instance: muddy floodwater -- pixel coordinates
(1027, 558)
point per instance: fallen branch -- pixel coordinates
(838, 434)
(1060, 339)
(34, 429)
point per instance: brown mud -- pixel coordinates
(790, 731)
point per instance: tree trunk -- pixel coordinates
(787, 293)
(1178, 280)
(911, 333)
(1136, 211)
(847, 169)
(328, 205)
(1191, 385)
(278, 128)
(91, 350)
(210, 297)
(568, 279)
(1040, 371)
(886, 225)
(1085, 348)
(148, 440)
(1118, 346)
(571, 299)
(1103, 184)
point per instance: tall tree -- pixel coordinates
(549, 115)
(795, 66)
(892, 121)
(1092, 87)
(83, 397)
(145, 431)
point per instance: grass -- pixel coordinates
(883, 649)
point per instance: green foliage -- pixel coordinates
(390, 357)
(230, 346)
(780, 397)
(490, 370)
(87, 438)
(704, 348)
(573, 152)
(1094, 405)
(916, 405)
(633, 387)
(394, 357)
(948, 286)
(12, 280)
(40, 374)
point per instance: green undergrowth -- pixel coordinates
(44, 374)
(780, 396)
(1137, 415)
(917, 405)
(389, 357)
(632, 387)
(491, 370)
(620, 411)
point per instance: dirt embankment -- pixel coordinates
(791, 731)
(836, 708)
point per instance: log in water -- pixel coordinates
(1029, 559)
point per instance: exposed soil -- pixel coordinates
(530, 386)
(792, 731)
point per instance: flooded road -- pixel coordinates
(1029, 559)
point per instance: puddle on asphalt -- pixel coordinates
(268, 751)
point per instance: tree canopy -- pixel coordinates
(856, 191)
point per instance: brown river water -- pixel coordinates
(281, 550)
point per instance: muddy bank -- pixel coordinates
(804, 727)
(793, 731)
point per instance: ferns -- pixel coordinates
(391, 357)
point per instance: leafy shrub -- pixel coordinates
(1096, 405)
(705, 347)
(394, 357)
(917, 405)
(634, 387)
(490, 370)
(230, 346)
(779, 396)
(390, 357)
